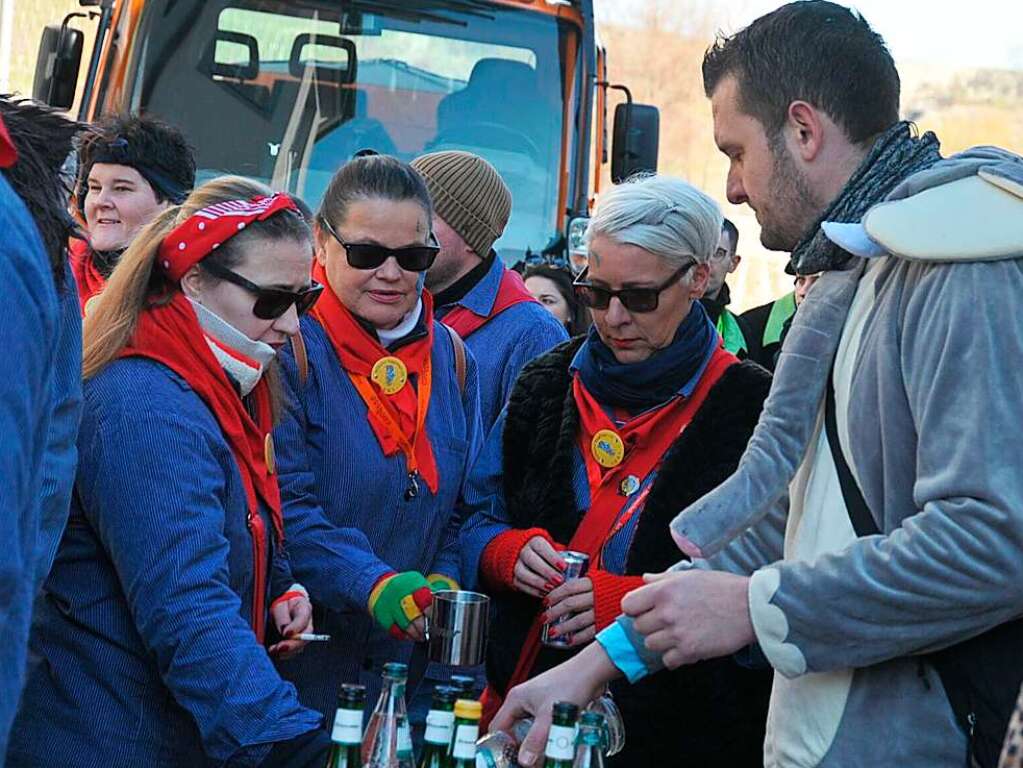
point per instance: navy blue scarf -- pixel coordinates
(639, 386)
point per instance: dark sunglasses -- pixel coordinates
(414, 258)
(271, 303)
(633, 299)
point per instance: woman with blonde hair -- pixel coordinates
(148, 641)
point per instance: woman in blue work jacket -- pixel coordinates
(386, 422)
(148, 645)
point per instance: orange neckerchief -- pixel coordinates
(398, 420)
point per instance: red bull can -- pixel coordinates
(577, 564)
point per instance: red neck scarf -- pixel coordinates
(398, 420)
(645, 439)
(87, 275)
(510, 292)
(171, 335)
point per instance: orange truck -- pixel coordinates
(286, 91)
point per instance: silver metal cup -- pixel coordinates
(458, 628)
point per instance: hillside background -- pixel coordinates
(656, 46)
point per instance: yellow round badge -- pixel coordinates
(608, 448)
(390, 374)
(270, 454)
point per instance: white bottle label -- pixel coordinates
(439, 725)
(465, 742)
(404, 739)
(561, 742)
(347, 727)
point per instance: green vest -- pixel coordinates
(730, 331)
(781, 311)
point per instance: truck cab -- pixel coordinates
(286, 91)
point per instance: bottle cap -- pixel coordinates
(351, 693)
(565, 710)
(594, 719)
(445, 694)
(470, 710)
(463, 683)
(396, 669)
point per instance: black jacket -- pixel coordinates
(711, 713)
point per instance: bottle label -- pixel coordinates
(404, 740)
(439, 725)
(347, 727)
(465, 742)
(561, 742)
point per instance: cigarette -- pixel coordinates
(311, 638)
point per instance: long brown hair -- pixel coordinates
(136, 284)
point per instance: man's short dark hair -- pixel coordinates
(733, 233)
(813, 51)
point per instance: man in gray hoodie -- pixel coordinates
(917, 321)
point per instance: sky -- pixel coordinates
(957, 33)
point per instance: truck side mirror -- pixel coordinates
(636, 137)
(60, 55)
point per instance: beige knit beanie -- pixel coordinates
(469, 194)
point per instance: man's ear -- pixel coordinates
(805, 129)
(735, 263)
(192, 283)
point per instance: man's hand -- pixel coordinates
(538, 569)
(574, 599)
(692, 615)
(580, 680)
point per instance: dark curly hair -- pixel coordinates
(41, 177)
(157, 150)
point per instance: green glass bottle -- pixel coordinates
(467, 731)
(589, 748)
(440, 728)
(561, 738)
(346, 735)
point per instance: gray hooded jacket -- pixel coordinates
(926, 335)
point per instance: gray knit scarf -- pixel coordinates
(789, 418)
(896, 154)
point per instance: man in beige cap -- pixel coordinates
(474, 293)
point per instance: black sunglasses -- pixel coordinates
(271, 303)
(633, 299)
(414, 258)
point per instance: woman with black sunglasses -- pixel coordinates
(150, 639)
(604, 439)
(386, 423)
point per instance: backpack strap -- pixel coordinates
(460, 364)
(859, 515)
(301, 357)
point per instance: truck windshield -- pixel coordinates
(286, 92)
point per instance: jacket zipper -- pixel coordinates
(258, 530)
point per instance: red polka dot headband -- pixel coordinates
(206, 230)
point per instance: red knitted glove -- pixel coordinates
(497, 564)
(608, 591)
